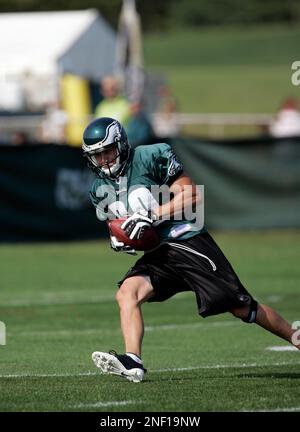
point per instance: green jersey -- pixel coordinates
(143, 186)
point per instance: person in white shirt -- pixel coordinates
(287, 120)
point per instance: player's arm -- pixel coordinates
(184, 194)
(167, 170)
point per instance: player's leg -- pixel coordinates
(261, 314)
(269, 319)
(132, 293)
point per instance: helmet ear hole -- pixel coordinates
(117, 139)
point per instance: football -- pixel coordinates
(148, 241)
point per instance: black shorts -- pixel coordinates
(196, 264)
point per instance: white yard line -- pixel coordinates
(52, 299)
(189, 368)
(71, 298)
(192, 325)
(274, 298)
(292, 409)
(227, 366)
(106, 404)
(51, 375)
(58, 302)
(99, 330)
(282, 348)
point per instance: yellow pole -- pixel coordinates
(76, 102)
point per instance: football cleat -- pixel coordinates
(119, 364)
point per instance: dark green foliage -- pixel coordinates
(205, 12)
(159, 15)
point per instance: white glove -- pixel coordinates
(118, 246)
(136, 224)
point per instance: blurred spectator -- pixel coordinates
(287, 120)
(29, 90)
(54, 124)
(20, 138)
(165, 123)
(113, 104)
(139, 129)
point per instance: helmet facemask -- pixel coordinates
(110, 166)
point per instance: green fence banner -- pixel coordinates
(44, 195)
(247, 183)
(44, 189)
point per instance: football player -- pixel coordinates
(187, 258)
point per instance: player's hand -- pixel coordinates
(135, 225)
(118, 246)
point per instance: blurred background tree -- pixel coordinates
(167, 14)
(218, 56)
(210, 12)
(154, 14)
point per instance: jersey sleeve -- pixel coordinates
(93, 197)
(164, 164)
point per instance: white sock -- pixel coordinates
(134, 357)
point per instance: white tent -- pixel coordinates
(75, 41)
(43, 45)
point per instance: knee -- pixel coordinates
(247, 313)
(241, 313)
(126, 294)
(133, 291)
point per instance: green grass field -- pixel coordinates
(57, 301)
(224, 69)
